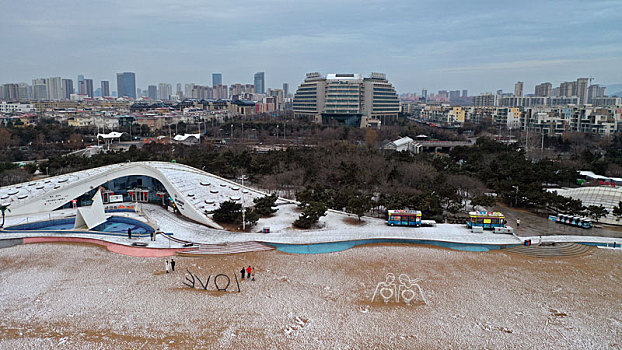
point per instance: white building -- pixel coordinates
(183, 189)
(16, 107)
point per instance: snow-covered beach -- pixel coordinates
(82, 296)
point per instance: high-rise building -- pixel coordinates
(220, 92)
(126, 84)
(216, 79)
(454, 95)
(286, 89)
(24, 91)
(518, 89)
(581, 93)
(10, 92)
(179, 93)
(465, 93)
(67, 88)
(188, 89)
(544, 90)
(567, 88)
(54, 88)
(105, 88)
(349, 99)
(89, 87)
(39, 89)
(595, 91)
(260, 83)
(165, 91)
(152, 92)
(424, 95)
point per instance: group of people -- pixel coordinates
(171, 264)
(249, 272)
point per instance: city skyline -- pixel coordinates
(474, 47)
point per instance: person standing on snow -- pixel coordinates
(166, 265)
(242, 272)
(172, 265)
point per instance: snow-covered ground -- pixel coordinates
(335, 226)
(82, 297)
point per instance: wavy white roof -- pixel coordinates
(194, 191)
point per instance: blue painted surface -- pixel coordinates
(114, 224)
(330, 247)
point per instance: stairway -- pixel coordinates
(557, 250)
(227, 248)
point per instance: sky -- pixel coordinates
(438, 44)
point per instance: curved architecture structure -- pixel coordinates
(607, 196)
(189, 191)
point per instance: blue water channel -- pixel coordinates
(331, 247)
(114, 224)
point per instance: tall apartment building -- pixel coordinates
(165, 91)
(518, 89)
(544, 90)
(152, 92)
(286, 89)
(454, 95)
(88, 83)
(67, 88)
(486, 100)
(126, 84)
(188, 89)
(179, 93)
(581, 90)
(220, 92)
(81, 85)
(349, 99)
(567, 88)
(216, 79)
(54, 88)
(260, 83)
(24, 91)
(465, 93)
(39, 89)
(202, 92)
(594, 91)
(105, 86)
(10, 92)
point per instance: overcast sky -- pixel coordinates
(436, 44)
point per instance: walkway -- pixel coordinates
(550, 250)
(227, 248)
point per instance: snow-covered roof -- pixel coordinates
(592, 175)
(184, 137)
(195, 192)
(402, 141)
(110, 135)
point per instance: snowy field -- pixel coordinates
(81, 296)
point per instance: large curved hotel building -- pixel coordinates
(347, 99)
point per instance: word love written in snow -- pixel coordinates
(221, 281)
